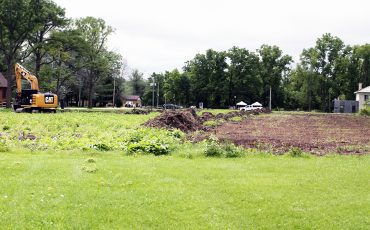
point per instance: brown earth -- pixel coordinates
(185, 120)
(315, 133)
(188, 120)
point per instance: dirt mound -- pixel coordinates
(185, 120)
(188, 120)
(206, 116)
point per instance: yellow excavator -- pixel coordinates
(31, 100)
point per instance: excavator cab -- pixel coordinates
(31, 100)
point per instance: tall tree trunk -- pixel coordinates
(38, 58)
(9, 77)
(90, 92)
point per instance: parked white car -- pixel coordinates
(253, 106)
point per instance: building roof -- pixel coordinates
(3, 81)
(131, 97)
(364, 90)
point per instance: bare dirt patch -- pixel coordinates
(315, 133)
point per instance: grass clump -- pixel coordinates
(6, 127)
(227, 150)
(236, 119)
(101, 147)
(296, 152)
(3, 146)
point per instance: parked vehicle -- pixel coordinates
(253, 106)
(32, 100)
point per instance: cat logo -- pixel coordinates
(49, 99)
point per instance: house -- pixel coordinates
(3, 87)
(131, 101)
(363, 96)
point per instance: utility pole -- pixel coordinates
(270, 99)
(153, 85)
(114, 92)
(157, 94)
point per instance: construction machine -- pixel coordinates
(31, 100)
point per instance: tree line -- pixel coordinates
(71, 58)
(327, 71)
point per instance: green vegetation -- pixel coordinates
(61, 190)
(81, 131)
(104, 170)
(365, 111)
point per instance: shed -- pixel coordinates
(346, 106)
(3, 87)
(131, 101)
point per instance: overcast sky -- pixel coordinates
(159, 35)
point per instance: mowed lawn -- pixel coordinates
(77, 190)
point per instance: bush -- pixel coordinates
(232, 151)
(101, 147)
(6, 127)
(3, 146)
(213, 149)
(228, 150)
(295, 152)
(365, 111)
(148, 147)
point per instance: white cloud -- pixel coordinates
(161, 35)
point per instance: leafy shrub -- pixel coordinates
(148, 147)
(232, 151)
(213, 149)
(365, 112)
(228, 150)
(295, 152)
(6, 127)
(3, 146)
(177, 134)
(101, 147)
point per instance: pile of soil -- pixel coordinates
(188, 121)
(185, 120)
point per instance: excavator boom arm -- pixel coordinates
(20, 72)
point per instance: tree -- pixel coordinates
(159, 90)
(208, 78)
(177, 87)
(325, 61)
(17, 21)
(244, 80)
(274, 67)
(136, 83)
(48, 17)
(95, 33)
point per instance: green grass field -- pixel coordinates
(110, 191)
(48, 184)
